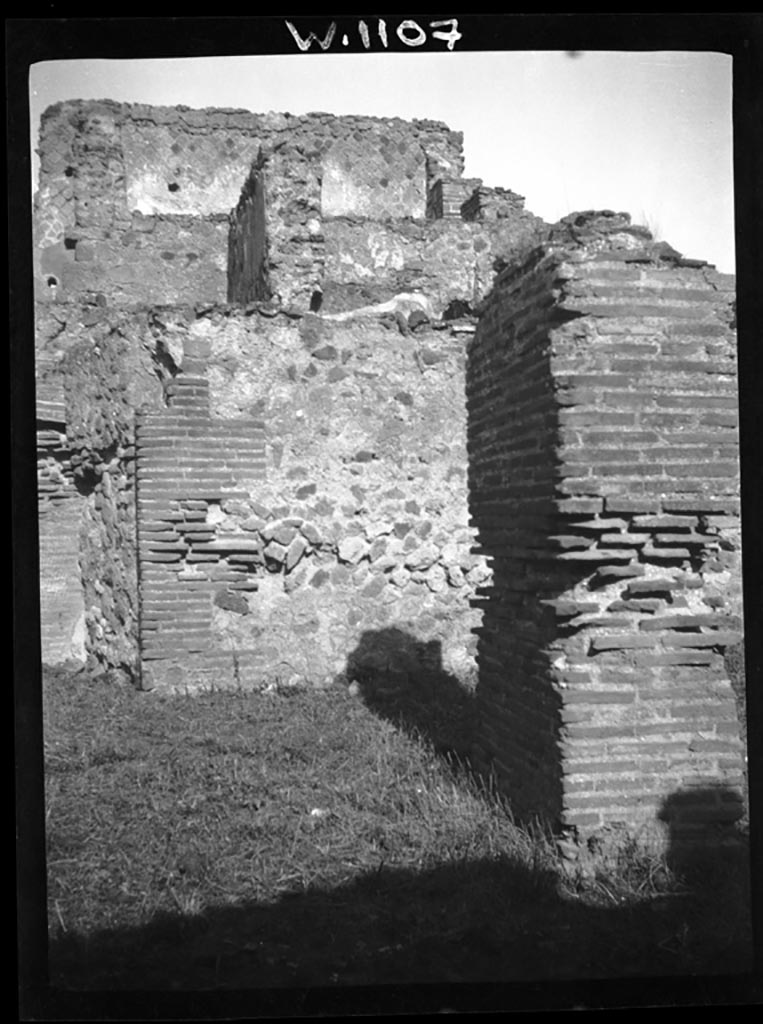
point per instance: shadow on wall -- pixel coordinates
(705, 839)
(403, 680)
(489, 920)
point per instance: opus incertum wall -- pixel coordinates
(134, 200)
(604, 488)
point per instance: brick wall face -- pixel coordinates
(512, 466)
(189, 468)
(60, 509)
(61, 604)
(489, 204)
(622, 590)
(447, 196)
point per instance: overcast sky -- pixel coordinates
(648, 133)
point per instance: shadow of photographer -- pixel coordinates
(403, 680)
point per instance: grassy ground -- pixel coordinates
(302, 839)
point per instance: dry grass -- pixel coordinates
(296, 838)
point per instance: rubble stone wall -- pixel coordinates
(133, 201)
(354, 523)
(364, 249)
(448, 260)
(108, 373)
(358, 525)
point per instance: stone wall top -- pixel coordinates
(179, 160)
(133, 200)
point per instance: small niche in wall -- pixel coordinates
(316, 301)
(86, 480)
(173, 187)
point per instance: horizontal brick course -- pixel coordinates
(719, 638)
(683, 621)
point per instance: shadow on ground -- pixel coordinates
(403, 680)
(481, 921)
